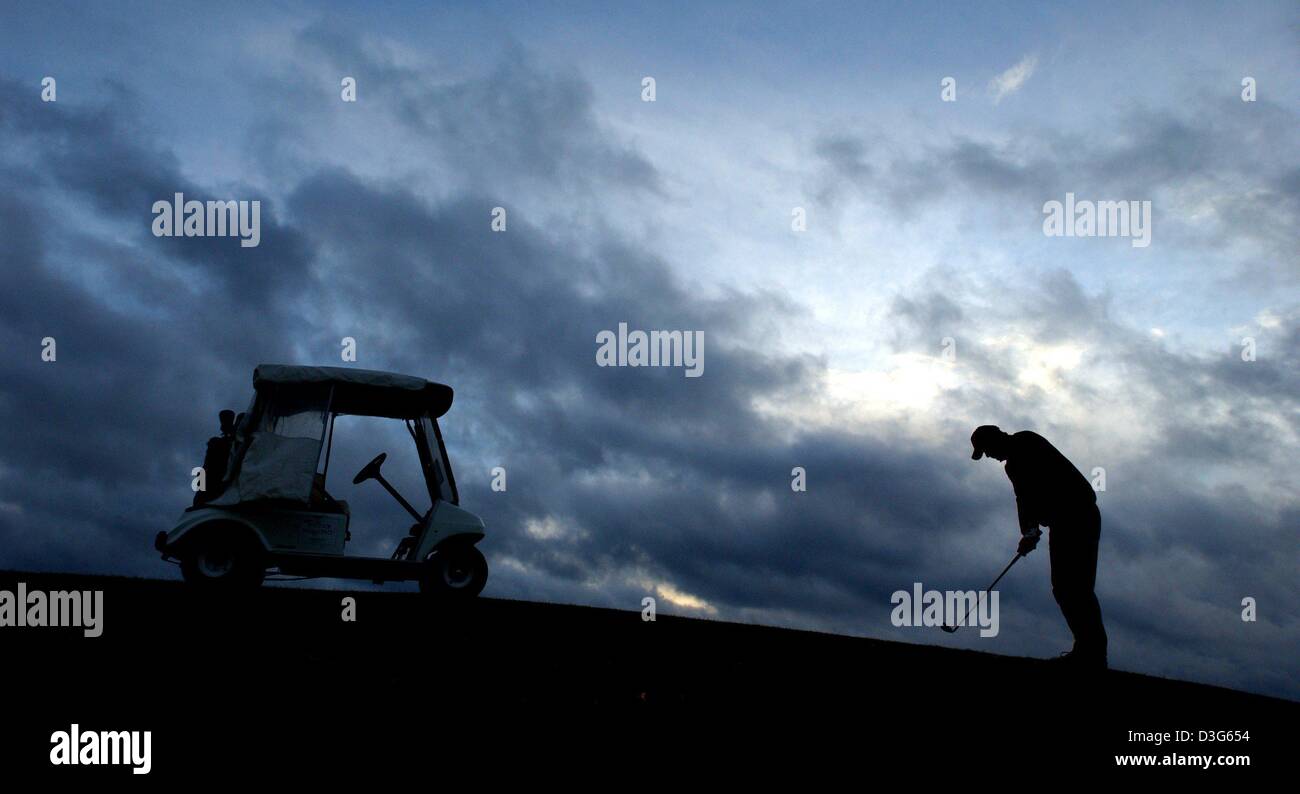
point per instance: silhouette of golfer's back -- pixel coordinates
(1051, 492)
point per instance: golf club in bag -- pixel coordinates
(951, 629)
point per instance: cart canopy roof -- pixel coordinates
(361, 392)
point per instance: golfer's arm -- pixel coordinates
(1028, 526)
(1025, 486)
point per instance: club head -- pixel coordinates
(949, 629)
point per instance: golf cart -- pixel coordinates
(271, 511)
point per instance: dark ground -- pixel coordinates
(274, 686)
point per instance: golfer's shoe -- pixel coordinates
(1076, 660)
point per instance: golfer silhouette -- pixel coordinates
(1051, 492)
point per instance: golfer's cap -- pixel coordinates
(980, 437)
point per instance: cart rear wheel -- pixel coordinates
(221, 559)
(459, 571)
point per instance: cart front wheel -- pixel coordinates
(459, 571)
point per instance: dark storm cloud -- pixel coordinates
(843, 158)
(145, 327)
(519, 124)
(1220, 173)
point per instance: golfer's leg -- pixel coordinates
(1091, 632)
(1063, 586)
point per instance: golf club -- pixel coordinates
(951, 629)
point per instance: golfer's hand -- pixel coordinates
(1027, 544)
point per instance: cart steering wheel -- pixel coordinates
(370, 470)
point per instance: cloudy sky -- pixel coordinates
(922, 298)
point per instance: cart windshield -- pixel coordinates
(437, 468)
